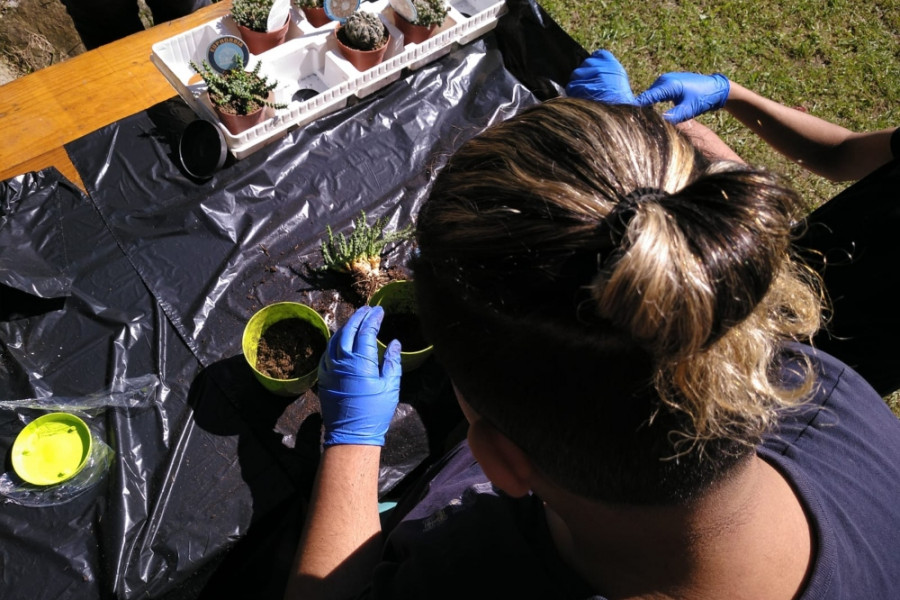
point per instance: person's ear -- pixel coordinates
(505, 464)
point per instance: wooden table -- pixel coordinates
(43, 111)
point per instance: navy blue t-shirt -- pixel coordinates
(840, 451)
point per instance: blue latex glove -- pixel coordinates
(601, 77)
(358, 398)
(692, 93)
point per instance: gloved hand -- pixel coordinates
(358, 398)
(601, 77)
(692, 93)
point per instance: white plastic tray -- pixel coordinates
(309, 59)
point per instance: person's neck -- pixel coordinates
(747, 538)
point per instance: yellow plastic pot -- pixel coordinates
(257, 326)
(399, 297)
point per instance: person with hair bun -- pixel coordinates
(848, 239)
(625, 325)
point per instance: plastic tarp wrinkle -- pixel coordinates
(36, 263)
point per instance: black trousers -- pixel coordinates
(99, 22)
(852, 240)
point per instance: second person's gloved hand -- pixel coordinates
(358, 398)
(601, 77)
(692, 93)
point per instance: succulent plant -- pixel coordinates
(430, 12)
(237, 91)
(309, 3)
(364, 31)
(359, 254)
(253, 14)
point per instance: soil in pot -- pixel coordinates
(289, 349)
(404, 327)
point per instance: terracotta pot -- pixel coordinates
(237, 124)
(361, 59)
(260, 41)
(414, 34)
(316, 16)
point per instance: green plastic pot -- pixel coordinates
(399, 297)
(257, 326)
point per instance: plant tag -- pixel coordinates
(406, 9)
(278, 15)
(339, 10)
(228, 52)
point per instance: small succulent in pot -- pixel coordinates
(252, 14)
(309, 3)
(363, 31)
(430, 12)
(237, 91)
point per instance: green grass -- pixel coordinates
(839, 59)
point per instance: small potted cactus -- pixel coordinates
(252, 20)
(419, 19)
(239, 97)
(314, 11)
(363, 39)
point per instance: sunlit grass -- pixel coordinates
(839, 59)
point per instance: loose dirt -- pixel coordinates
(289, 348)
(38, 33)
(34, 34)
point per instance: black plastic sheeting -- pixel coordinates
(127, 306)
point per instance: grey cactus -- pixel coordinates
(364, 31)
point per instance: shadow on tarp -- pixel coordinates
(16, 304)
(228, 401)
